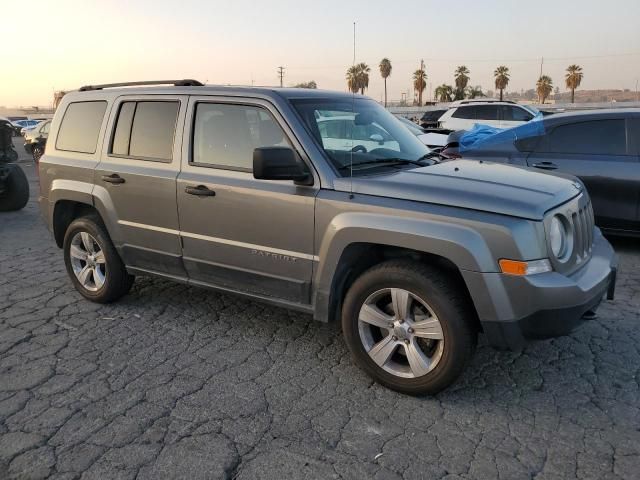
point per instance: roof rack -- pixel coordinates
(484, 100)
(176, 83)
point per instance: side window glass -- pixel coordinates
(599, 137)
(469, 113)
(487, 112)
(80, 127)
(225, 135)
(515, 114)
(146, 130)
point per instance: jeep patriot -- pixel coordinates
(321, 202)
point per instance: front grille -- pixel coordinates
(583, 223)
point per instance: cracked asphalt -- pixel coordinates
(178, 382)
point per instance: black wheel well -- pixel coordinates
(65, 212)
(359, 257)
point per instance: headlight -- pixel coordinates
(559, 238)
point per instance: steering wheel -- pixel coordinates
(359, 148)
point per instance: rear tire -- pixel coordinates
(16, 193)
(417, 349)
(93, 264)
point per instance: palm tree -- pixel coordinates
(444, 93)
(502, 78)
(358, 78)
(385, 71)
(462, 80)
(420, 82)
(544, 87)
(475, 92)
(573, 78)
(352, 79)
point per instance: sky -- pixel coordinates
(69, 43)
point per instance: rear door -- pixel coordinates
(487, 115)
(603, 155)
(136, 181)
(241, 233)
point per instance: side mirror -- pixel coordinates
(376, 137)
(279, 163)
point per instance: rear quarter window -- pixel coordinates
(80, 126)
(466, 113)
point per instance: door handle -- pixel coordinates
(200, 190)
(113, 178)
(545, 165)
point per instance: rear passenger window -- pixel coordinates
(80, 127)
(599, 137)
(146, 130)
(225, 135)
(486, 112)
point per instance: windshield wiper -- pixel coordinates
(392, 161)
(435, 157)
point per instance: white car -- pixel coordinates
(333, 131)
(464, 114)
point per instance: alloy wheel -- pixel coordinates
(88, 261)
(401, 332)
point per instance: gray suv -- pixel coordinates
(255, 191)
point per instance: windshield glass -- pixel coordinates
(361, 131)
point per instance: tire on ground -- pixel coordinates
(118, 281)
(16, 194)
(449, 301)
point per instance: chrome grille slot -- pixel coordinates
(583, 231)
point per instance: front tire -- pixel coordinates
(16, 189)
(92, 262)
(409, 326)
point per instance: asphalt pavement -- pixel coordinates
(179, 382)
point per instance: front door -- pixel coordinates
(136, 181)
(240, 233)
(601, 154)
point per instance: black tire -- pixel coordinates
(445, 296)
(16, 190)
(117, 281)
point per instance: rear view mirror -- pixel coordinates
(376, 137)
(279, 163)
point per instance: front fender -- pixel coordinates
(462, 245)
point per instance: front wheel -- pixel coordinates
(409, 326)
(92, 262)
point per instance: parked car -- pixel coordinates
(19, 125)
(431, 139)
(35, 140)
(464, 114)
(14, 186)
(257, 191)
(600, 147)
(431, 119)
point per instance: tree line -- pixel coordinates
(358, 81)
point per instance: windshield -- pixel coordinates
(415, 129)
(359, 131)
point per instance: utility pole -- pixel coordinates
(281, 74)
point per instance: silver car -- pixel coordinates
(246, 190)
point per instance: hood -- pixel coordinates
(486, 186)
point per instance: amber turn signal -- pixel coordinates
(517, 267)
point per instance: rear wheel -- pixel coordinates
(15, 186)
(92, 262)
(409, 326)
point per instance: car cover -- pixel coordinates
(483, 135)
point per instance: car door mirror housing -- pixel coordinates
(280, 163)
(376, 137)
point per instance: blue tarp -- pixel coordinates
(482, 135)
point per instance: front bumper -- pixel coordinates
(513, 309)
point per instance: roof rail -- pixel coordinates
(176, 83)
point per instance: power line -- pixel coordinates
(281, 74)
